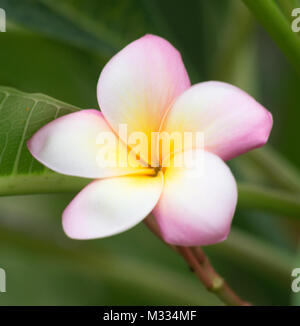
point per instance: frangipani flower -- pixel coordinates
(146, 87)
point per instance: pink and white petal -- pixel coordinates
(69, 145)
(110, 206)
(198, 203)
(232, 121)
(140, 83)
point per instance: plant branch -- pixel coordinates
(250, 196)
(46, 183)
(201, 266)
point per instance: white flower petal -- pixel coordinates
(110, 206)
(197, 204)
(69, 145)
(231, 121)
(140, 83)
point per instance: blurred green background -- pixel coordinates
(58, 47)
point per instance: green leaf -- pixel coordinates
(287, 6)
(102, 27)
(36, 64)
(269, 200)
(274, 21)
(107, 20)
(21, 115)
(277, 168)
(37, 17)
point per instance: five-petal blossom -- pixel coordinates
(146, 87)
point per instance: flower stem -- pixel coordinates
(203, 269)
(201, 266)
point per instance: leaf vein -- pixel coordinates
(19, 151)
